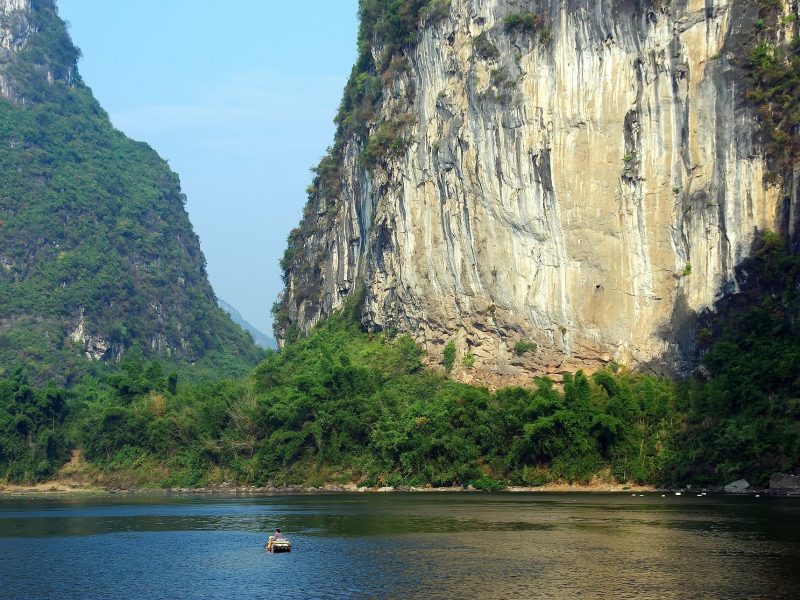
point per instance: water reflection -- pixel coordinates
(372, 545)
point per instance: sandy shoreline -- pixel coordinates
(59, 487)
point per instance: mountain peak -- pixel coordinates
(36, 51)
(10, 6)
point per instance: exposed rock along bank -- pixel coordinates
(781, 484)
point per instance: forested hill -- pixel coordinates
(97, 254)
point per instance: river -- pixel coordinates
(433, 545)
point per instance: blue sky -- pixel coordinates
(239, 97)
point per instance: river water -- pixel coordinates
(436, 545)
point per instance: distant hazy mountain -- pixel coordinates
(262, 339)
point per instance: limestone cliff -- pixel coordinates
(582, 175)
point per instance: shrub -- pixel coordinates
(484, 47)
(387, 141)
(545, 35)
(525, 22)
(436, 10)
(449, 356)
(487, 484)
(523, 346)
(774, 75)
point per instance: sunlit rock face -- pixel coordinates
(54, 59)
(10, 6)
(14, 30)
(588, 188)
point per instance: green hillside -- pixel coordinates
(97, 254)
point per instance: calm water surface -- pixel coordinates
(402, 546)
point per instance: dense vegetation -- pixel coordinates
(341, 405)
(93, 233)
(33, 440)
(774, 65)
(345, 406)
(745, 419)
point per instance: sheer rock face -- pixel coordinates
(14, 30)
(19, 20)
(590, 192)
(7, 10)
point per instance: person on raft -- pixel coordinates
(278, 535)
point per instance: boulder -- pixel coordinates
(736, 487)
(781, 484)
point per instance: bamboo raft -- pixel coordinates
(273, 545)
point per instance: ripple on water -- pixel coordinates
(431, 546)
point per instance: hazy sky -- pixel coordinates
(239, 97)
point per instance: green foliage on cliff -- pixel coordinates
(48, 55)
(523, 346)
(774, 66)
(93, 232)
(393, 25)
(449, 355)
(386, 141)
(484, 47)
(387, 32)
(527, 23)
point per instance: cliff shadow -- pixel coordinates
(767, 281)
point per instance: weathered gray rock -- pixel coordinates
(589, 191)
(737, 487)
(781, 484)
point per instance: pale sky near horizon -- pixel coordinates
(239, 100)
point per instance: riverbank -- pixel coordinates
(81, 477)
(60, 487)
(50, 487)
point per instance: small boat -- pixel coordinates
(282, 545)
